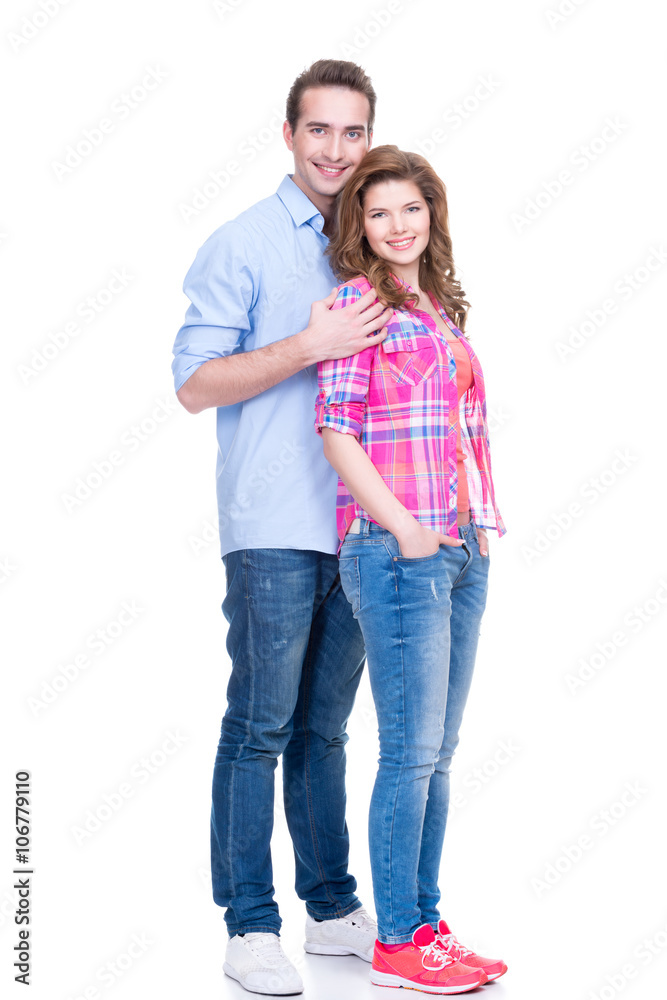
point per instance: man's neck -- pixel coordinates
(323, 203)
(328, 226)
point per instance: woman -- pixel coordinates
(403, 423)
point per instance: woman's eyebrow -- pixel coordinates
(415, 201)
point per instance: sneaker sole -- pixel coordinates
(230, 971)
(497, 975)
(333, 949)
(386, 979)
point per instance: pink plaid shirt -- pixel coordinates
(399, 398)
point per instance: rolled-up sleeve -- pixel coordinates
(343, 382)
(221, 286)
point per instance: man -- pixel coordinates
(249, 348)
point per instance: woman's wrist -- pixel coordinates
(407, 526)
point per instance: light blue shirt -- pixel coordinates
(253, 283)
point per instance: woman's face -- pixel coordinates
(396, 221)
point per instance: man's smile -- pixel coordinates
(328, 170)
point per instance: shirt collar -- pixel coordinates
(448, 321)
(299, 206)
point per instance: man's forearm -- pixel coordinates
(223, 381)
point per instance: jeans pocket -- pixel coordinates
(348, 568)
(391, 541)
(419, 559)
(472, 541)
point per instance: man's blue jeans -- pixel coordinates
(297, 657)
(420, 620)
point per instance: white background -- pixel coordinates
(565, 587)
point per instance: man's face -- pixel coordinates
(330, 140)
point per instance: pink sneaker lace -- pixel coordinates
(439, 955)
(454, 947)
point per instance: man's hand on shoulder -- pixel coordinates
(339, 333)
(331, 333)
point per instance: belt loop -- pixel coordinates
(360, 526)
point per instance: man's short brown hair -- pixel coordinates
(330, 73)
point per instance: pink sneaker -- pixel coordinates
(493, 968)
(423, 965)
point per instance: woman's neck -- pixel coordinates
(409, 275)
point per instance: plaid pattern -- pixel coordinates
(399, 398)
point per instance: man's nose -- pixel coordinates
(334, 148)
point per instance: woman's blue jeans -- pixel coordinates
(420, 621)
(297, 657)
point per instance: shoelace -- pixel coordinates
(268, 951)
(440, 956)
(452, 945)
(359, 918)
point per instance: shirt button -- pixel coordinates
(395, 558)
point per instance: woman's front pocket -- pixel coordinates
(394, 549)
(416, 559)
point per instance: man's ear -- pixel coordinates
(370, 139)
(288, 135)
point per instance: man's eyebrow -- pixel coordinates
(415, 201)
(348, 128)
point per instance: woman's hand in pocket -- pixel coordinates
(416, 541)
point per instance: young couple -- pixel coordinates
(365, 539)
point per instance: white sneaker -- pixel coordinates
(259, 964)
(354, 934)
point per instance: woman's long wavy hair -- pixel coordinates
(350, 251)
